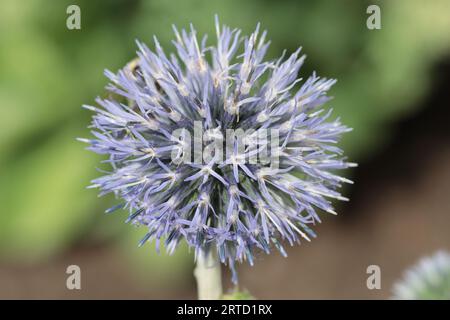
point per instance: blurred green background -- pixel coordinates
(47, 72)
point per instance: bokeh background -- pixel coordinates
(392, 89)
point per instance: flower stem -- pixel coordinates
(208, 275)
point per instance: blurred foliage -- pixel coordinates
(47, 72)
(238, 295)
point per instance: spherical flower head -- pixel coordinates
(264, 155)
(428, 279)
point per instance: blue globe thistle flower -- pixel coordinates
(232, 206)
(428, 279)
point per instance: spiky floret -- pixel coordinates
(230, 206)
